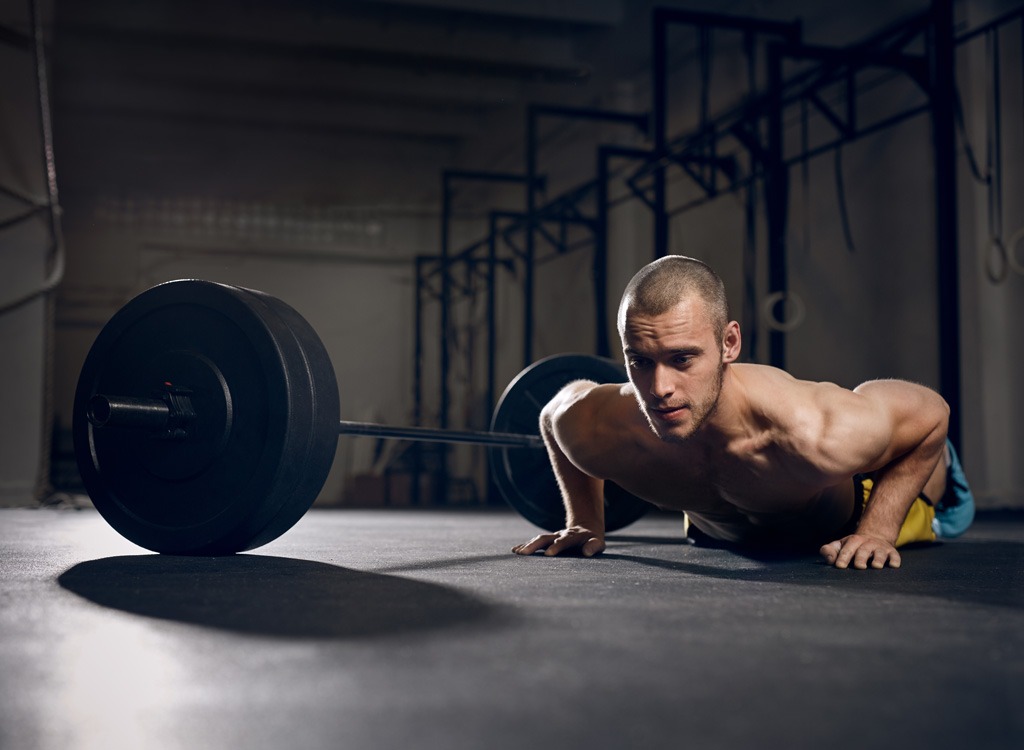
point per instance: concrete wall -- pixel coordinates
(993, 306)
(331, 226)
(25, 257)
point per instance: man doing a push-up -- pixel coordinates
(753, 455)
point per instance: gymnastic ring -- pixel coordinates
(997, 262)
(1012, 259)
(799, 311)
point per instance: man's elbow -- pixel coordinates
(939, 409)
(943, 412)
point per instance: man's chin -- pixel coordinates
(676, 436)
(678, 433)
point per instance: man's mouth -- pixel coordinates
(670, 413)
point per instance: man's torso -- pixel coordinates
(757, 482)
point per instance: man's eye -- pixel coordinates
(637, 364)
(682, 360)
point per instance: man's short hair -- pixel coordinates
(663, 284)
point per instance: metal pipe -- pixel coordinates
(430, 435)
(659, 125)
(776, 192)
(128, 413)
(600, 257)
(531, 217)
(943, 86)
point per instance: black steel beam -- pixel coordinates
(943, 88)
(659, 124)
(776, 193)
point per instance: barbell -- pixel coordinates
(206, 419)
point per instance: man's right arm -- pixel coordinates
(562, 420)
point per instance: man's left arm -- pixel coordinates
(909, 423)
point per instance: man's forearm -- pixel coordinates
(582, 494)
(896, 486)
(919, 418)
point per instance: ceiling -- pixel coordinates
(443, 81)
(355, 102)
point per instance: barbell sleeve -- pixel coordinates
(128, 412)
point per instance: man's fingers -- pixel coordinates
(588, 543)
(850, 546)
(894, 559)
(864, 554)
(564, 540)
(830, 551)
(860, 552)
(538, 542)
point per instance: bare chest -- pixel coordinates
(749, 480)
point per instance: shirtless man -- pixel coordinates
(752, 454)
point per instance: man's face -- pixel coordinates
(675, 364)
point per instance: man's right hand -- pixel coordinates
(588, 542)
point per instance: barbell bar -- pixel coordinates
(206, 419)
(157, 415)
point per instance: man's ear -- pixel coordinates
(732, 342)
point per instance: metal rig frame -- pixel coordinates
(757, 126)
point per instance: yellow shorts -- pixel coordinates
(917, 527)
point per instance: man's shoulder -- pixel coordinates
(772, 385)
(596, 421)
(829, 426)
(589, 403)
(798, 413)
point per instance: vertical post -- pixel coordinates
(776, 191)
(492, 252)
(417, 456)
(446, 294)
(600, 259)
(659, 122)
(942, 69)
(528, 251)
(417, 372)
(749, 314)
(441, 490)
(54, 268)
(492, 329)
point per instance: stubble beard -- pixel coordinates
(699, 413)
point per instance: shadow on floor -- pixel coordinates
(973, 572)
(271, 596)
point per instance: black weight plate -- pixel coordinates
(523, 475)
(266, 427)
(310, 467)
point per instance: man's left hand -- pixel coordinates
(862, 551)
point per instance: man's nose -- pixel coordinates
(661, 383)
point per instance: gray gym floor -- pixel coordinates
(405, 629)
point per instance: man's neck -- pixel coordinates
(732, 418)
